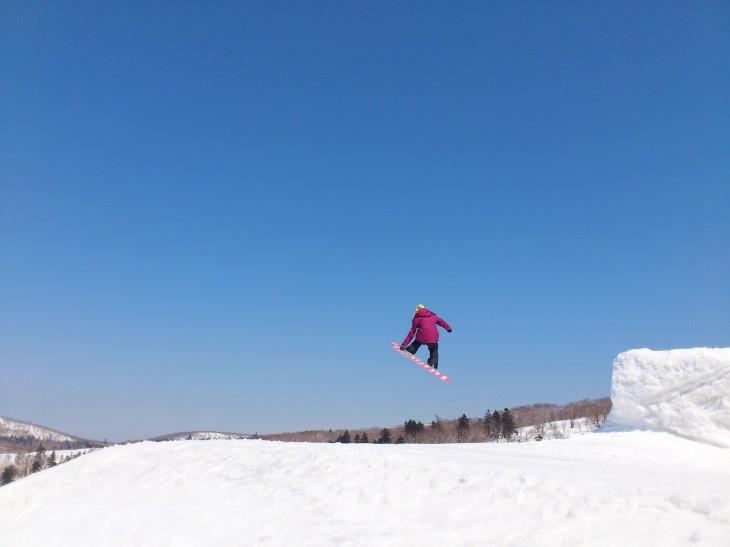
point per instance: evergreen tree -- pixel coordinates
(508, 424)
(462, 428)
(344, 438)
(496, 421)
(52, 460)
(356, 438)
(39, 460)
(364, 438)
(384, 436)
(412, 428)
(488, 429)
(9, 474)
(437, 424)
(400, 440)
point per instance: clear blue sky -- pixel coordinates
(216, 215)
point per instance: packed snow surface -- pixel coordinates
(639, 488)
(685, 392)
(653, 486)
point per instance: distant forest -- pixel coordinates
(17, 444)
(494, 425)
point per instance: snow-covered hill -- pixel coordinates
(201, 436)
(601, 489)
(15, 428)
(22, 437)
(634, 488)
(32, 435)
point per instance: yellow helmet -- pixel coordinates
(418, 308)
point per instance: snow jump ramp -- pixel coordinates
(685, 392)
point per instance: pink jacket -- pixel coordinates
(424, 327)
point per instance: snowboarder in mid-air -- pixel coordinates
(424, 327)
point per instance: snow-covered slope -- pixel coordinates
(603, 489)
(633, 488)
(685, 392)
(560, 429)
(15, 428)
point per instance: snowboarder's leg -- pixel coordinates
(413, 348)
(433, 358)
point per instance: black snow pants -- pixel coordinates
(433, 358)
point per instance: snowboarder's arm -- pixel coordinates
(411, 334)
(444, 324)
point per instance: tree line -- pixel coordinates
(25, 443)
(494, 426)
(26, 464)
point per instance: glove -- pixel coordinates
(403, 347)
(449, 330)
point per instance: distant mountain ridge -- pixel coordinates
(20, 436)
(17, 436)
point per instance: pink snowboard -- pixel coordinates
(432, 370)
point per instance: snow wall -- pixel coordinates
(685, 392)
